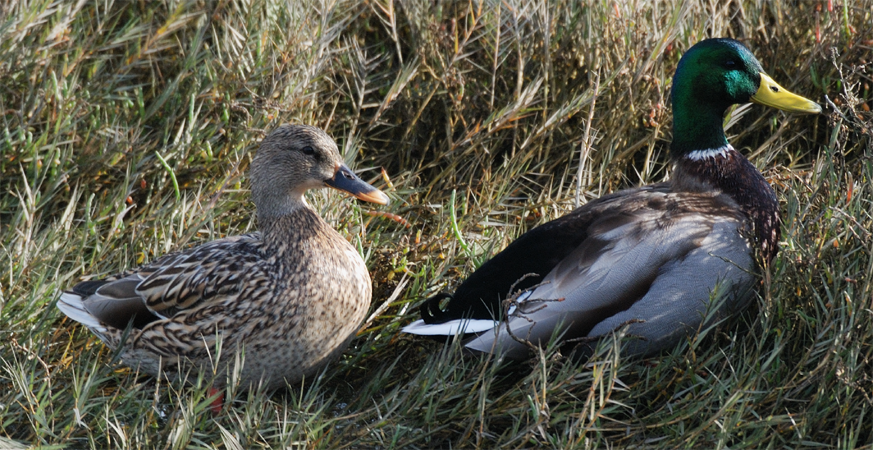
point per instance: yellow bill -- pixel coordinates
(771, 94)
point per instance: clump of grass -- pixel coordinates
(127, 129)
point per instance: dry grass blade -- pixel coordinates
(486, 99)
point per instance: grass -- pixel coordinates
(127, 129)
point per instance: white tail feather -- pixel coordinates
(459, 326)
(71, 304)
(450, 328)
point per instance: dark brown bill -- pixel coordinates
(345, 180)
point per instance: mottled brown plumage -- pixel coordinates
(289, 297)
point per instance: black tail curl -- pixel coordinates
(430, 309)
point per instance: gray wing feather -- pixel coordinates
(713, 280)
(117, 302)
(650, 269)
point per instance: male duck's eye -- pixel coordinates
(730, 64)
(308, 150)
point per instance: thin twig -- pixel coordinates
(586, 141)
(455, 229)
(394, 296)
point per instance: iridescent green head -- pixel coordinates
(713, 75)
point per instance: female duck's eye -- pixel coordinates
(308, 150)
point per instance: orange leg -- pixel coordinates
(390, 216)
(216, 404)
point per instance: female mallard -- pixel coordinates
(657, 259)
(289, 297)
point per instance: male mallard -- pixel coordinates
(289, 297)
(657, 259)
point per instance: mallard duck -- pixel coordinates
(289, 298)
(654, 261)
